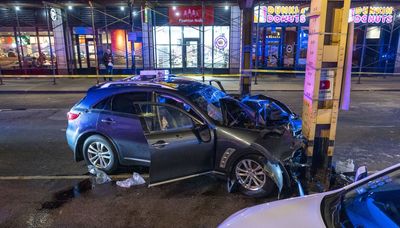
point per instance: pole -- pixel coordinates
(51, 49)
(363, 49)
(257, 41)
(153, 25)
(133, 41)
(19, 42)
(94, 40)
(69, 48)
(202, 35)
(1, 77)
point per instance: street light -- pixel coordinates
(17, 8)
(122, 8)
(70, 7)
(226, 7)
(173, 7)
(177, 14)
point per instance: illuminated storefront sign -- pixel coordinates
(191, 15)
(280, 14)
(375, 15)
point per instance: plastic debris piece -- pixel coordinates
(136, 179)
(345, 166)
(101, 176)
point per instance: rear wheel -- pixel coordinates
(99, 152)
(253, 179)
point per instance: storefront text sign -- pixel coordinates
(372, 14)
(280, 14)
(190, 15)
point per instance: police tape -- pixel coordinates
(246, 72)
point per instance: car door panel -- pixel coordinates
(176, 149)
(183, 154)
(127, 133)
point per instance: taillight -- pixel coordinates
(72, 115)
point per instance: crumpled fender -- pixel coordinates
(276, 174)
(272, 166)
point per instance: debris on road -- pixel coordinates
(345, 166)
(101, 176)
(136, 179)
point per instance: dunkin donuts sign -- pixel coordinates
(280, 14)
(372, 14)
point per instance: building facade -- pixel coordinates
(71, 38)
(280, 36)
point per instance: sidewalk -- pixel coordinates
(265, 83)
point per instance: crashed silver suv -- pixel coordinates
(182, 128)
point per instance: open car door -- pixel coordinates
(181, 146)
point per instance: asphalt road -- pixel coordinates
(32, 142)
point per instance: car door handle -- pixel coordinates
(159, 144)
(108, 121)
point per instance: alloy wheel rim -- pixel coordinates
(250, 174)
(100, 155)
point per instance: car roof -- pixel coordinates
(181, 85)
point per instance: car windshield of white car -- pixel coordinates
(374, 204)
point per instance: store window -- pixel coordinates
(208, 46)
(176, 47)
(119, 47)
(8, 51)
(221, 46)
(138, 47)
(302, 46)
(181, 47)
(162, 46)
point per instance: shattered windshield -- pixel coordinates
(238, 114)
(373, 204)
(205, 97)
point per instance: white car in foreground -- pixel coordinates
(370, 202)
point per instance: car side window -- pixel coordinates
(174, 101)
(164, 118)
(124, 102)
(104, 104)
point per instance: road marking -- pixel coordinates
(372, 126)
(32, 109)
(120, 176)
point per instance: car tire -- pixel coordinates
(99, 151)
(258, 182)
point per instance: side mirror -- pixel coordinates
(361, 173)
(203, 132)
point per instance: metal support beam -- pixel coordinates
(322, 87)
(247, 22)
(94, 39)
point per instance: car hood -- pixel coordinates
(295, 212)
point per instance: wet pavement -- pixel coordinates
(32, 143)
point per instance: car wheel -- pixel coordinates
(99, 152)
(251, 176)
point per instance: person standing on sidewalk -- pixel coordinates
(108, 63)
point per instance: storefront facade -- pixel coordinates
(280, 36)
(182, 38)
(29, 34)
(188, 40)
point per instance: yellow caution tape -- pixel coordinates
(189, 74)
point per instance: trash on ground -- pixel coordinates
(136, 179)
(101, 176)
(345, 166)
